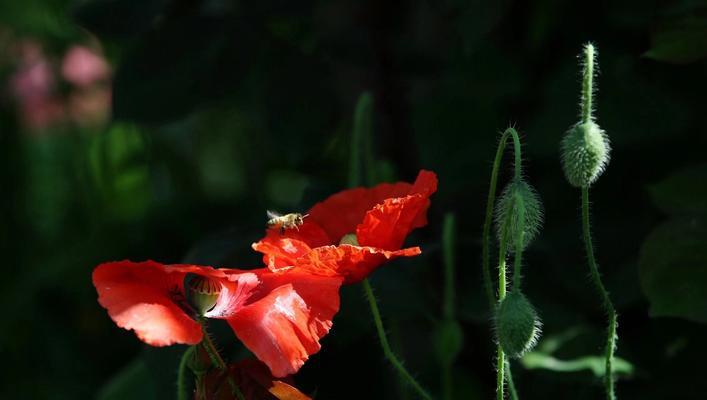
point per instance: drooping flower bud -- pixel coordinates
(349, 238)
(585, 153)
(201, 292)
(516, 195)
(517, 324)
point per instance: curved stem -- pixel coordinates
(587, 83)
(491, 199)
(606, 300)
(387, 351)
(182, 390)
(218, 362)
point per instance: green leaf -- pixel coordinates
(680, 42)
(132, 382)
(595, 364)
(682, 192)
(673, 269)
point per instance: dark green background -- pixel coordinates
(223, 109)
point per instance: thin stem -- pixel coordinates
(448, 245)
(509, 379)
(387, 351)
(490, 201)
(182, 372)
(500, 356)
(519, 244)
(218, 362)
(606, 300)
(448, 236)
(587, 83)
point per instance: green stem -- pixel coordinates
(519, 245)
(182, 390)
(485, 247)
(218, 362)
(587, 83)
(387, 351)
(490, 201)
(509, 379)
(448, 235)
(448, 250)
(606, 300)
(500, 356)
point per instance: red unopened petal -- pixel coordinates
(137, 297)
(282, 324)
(354, 263)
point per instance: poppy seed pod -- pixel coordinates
(517, 325)
(585, 153)
(518, 195)
(349, 238)
(201, 292)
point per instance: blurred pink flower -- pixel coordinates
(83, 67)
(34, 78)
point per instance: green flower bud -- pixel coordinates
(517, 325)
(349, 238)
(516, 194)
(201, 292)
(585, 153)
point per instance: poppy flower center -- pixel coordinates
(349, 238)
(201, 292)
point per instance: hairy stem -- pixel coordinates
(519, 245)
(387, 351)
(509, 378)
(501, 361)
(490, 201)
(606, 300)
(218, 362)
(182, 390)
(587, 83)
(486, 246)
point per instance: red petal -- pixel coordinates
(137, 297)
(283, 323)
(342, 212)
(282, 250)
(144, 297)
(354, 263)
(387, 225)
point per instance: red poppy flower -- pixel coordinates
(279, 316)
(253, 380)
(352, 232)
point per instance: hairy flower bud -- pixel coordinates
(517, 324)
(585, 153)
(201, 292)
(518, 198)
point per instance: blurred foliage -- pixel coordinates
(223, 109)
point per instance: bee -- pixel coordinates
(287, 221)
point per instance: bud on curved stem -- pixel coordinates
(519, 203)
